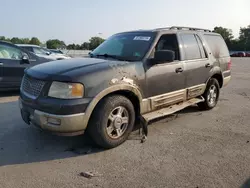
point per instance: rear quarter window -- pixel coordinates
(217, 45)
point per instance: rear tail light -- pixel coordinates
(229, 65)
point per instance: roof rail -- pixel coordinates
(189, 28)
(162, 28)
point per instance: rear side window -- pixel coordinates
(191, 47)
(217, 45)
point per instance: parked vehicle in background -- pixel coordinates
(132, 75)
(13, 61)
(43, 52)
(56, 51)
(247, 54)
(239, 54)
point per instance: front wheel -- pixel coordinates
(112, 121)
(211, 95)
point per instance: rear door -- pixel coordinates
(196, 64)
(11, 66)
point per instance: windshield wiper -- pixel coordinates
(120, 58)
(107, 55)
(111, 56)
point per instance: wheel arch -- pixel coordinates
(129, 91)
(217, 74)
(219, 78)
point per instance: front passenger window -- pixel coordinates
(8, 52)
(169, 42)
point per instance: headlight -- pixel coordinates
(66, 90)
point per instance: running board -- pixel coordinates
(171, 109)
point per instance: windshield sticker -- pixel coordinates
(142, 38)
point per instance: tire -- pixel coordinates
(208, 104)
(108, 127)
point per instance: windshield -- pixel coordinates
(128, 46)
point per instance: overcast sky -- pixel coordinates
(78, 20)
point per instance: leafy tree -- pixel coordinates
(35, 41)
(16, 40)
(55, 44)
(71, 47)
(25, 41)
(244, 33)
(2, 38)
(244, 38)
(226, 33)
(78, 47)
(94, 42)
(85, 46)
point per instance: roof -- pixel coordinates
(28, 45)
(171, 29)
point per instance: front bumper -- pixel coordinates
(67, 125)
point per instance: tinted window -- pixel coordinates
(217, 45)
(130, 46)
(27, 48)
(8, 52)
(191, 48)
(202, 49)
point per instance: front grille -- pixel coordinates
(31, 86)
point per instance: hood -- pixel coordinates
(66, 68)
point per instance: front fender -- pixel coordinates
(117, 87)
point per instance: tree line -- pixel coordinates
(56, 43)
(242, 43)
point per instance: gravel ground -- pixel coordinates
(188, 149)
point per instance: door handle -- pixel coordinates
(179, 70)
(208, 65)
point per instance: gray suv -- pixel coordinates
(136, 75)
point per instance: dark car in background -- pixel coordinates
(13, 61)
(240, 54)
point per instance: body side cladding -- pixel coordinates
(168, 99)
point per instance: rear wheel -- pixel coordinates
(112, 121)
(211, 95)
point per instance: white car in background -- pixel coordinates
(43, 52)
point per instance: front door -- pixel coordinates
(166, 81)
(11, 66)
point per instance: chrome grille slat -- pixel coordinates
(32, 86)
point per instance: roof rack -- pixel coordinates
(184, 28)
(189, 28)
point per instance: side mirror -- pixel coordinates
(163, 56)
(25, 59)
